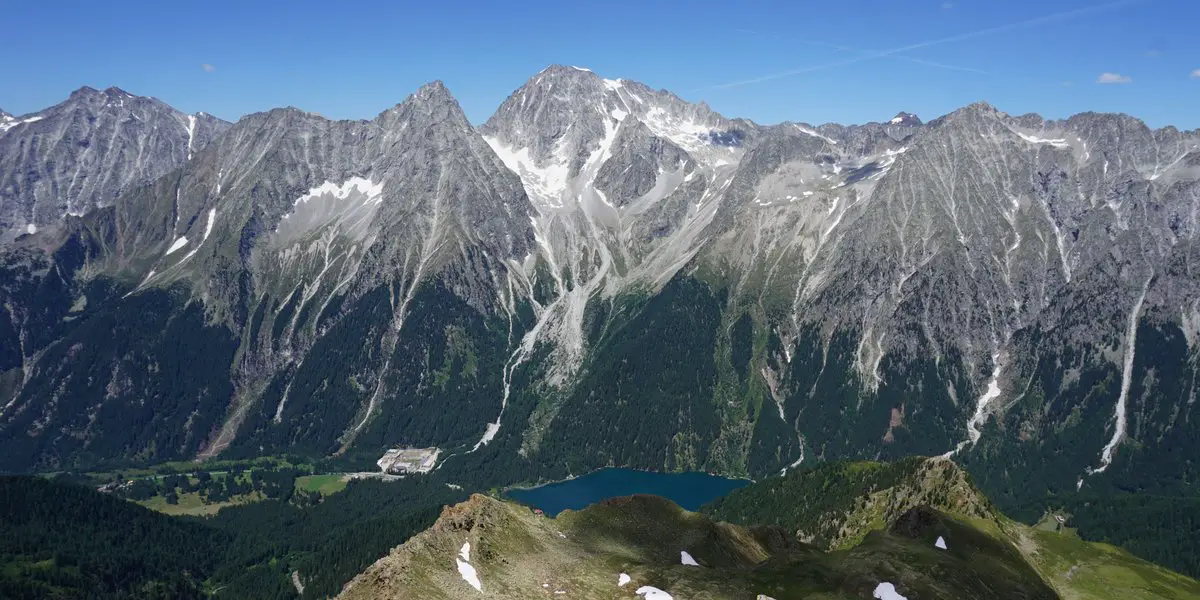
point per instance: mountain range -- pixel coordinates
(601, 274)
(77, 156)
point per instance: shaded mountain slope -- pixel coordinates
(837, 504)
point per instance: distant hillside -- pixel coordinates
(836, 505)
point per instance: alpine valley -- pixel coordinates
(603, 274)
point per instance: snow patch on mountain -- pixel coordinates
(1106, 455)
(469, 574)
(179, 242)
(355, 184)
(692, 135)
(1057, 143)
(349, 206)
(990, 394)
(814, 133)
(465, 569)
(652, 593)
(208, 226)
(544, 183)
(887, 591)
(191, 133)
(8, 122)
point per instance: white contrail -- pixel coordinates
(919, 45)
(841, 48)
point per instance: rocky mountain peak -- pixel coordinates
(906, 119)
(84, 92)
(432, 107)
(114, 91)
(565, 115)
(554, 92)
(981, 106)
(434, 92)
(91, 147)
(976, 112)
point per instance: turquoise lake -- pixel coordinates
(689, 490)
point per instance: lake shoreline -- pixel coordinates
(523, 487)
(689, 489)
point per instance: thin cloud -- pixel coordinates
(843, 48)
(208, 68)
(1196, 74)
(1113, 78)
(919, 61)
(1153, 53)
(947, 5)
(1044, 20)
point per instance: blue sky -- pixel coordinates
(846, 61)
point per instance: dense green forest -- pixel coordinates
(67, 541)
(639, 406)
(142, 382)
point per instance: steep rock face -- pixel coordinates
(81, 154)
(604, 274)
(289, 228)
(899, 281)
(908, 287)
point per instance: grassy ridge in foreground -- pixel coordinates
(581, 554)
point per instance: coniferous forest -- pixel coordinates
(61, 540)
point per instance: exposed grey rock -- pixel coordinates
(977, 243)
(306, 210)
(81, 154)
(904, 118)
(637, 159)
